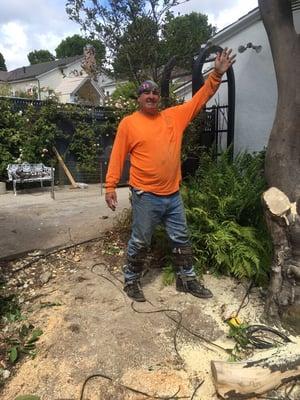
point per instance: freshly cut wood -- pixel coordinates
(283, 222)
(276, 201)
(243, 380)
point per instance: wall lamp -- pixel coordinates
(250, 45)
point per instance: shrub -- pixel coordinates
(29, 134)
(225, 216)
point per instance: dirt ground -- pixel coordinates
(90, 328)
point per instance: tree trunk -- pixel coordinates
(243, 380)
(283, 220)
(282, 166)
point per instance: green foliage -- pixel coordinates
(84, 145)
(183, 35)
(5, 90)
(126, 91)
(238, 332)
(161, 250)
(168, 276)
(9, 309)
(138, 55)
(40, 56)
(137, 35)
(122, 102)
(2, 63)
(24, 342)
(74, 45)
(225, 216)
(29, 135)
(192, 145)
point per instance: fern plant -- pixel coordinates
(225, 216)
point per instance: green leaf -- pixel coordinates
(28, 397)
(13, 354)
(35, 335)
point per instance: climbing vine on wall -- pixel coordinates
(28, 134)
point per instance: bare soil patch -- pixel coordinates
(90, 328)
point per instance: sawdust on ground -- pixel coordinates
(93, 330)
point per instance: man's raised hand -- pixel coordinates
(224, 60)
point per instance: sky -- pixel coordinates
(27, 25)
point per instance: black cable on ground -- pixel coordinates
(263, 343)
(173, 397)
(179, 323)
(164, 311)
(106, 278)
(196, 389)
(197, 335)
(244, 298)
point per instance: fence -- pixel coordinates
(212, 136)
(96, 115)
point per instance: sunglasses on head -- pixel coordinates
(153, 91)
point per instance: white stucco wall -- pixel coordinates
(256, 87)
(54, 78)
(255, 83)
(23, 86)
(50, 81)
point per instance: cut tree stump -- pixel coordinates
(283, 221)
(244, 380)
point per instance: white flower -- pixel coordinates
(20, 112)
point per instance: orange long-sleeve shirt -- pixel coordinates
(154, 144)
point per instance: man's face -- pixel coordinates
(148, 101)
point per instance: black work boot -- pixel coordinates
(192, 286)
(134, 291)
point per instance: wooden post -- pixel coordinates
(101, 177)
(67, 172)
(52, 182)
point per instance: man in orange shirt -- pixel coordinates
(153, 140)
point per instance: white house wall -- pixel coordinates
(23, 86)
(256, 87)
(50, 81)
(53, 79)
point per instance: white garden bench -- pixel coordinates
(26, 172)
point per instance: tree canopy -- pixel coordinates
(40, 56)
(2, 63)
(74, 45)
(183, 35)
(136, 33)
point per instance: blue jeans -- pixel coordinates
(150, 210)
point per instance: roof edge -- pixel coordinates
(237, 26)
(58, 67)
